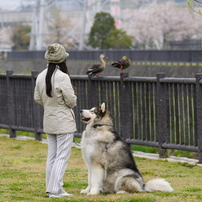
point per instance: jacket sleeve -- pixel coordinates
(37, 96)
(68, 92)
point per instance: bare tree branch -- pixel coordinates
(195, 6)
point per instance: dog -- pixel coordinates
(110, 163)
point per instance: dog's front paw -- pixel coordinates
(85, 191)
(94, 192)
(121, 192)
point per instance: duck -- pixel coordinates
(122, 63)
(97, 68)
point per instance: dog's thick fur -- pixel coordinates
(111, 166)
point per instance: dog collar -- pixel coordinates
(99, 125)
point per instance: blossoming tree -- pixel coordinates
(158, 23)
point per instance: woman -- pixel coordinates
(55, 93)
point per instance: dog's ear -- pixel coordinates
(103, 107)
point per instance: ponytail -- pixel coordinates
(51, 68)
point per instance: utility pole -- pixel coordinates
(39, 41)
(37, 30)
(34, 27)
(81, 42)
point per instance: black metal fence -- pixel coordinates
(153, 111)
(134, 55)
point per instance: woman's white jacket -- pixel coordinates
(58, 115)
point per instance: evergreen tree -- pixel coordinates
(100, 31)
(119, 39)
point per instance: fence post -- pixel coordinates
(161, 114)
(125, 105)
(199, 114)
(11, 110)
(92, 92)
(36, 109)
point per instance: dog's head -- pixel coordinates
(96, 113)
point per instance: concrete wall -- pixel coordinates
(145, 69)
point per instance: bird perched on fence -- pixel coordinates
(97, 68)
(122, 63)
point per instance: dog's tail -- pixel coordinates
(158, 184)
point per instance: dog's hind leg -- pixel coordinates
(97, 177)
(128, 184)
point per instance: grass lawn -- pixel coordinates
(22, 176)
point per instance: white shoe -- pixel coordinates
(59, 195)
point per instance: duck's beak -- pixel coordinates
(106, 57)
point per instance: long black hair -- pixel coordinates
(51, 69)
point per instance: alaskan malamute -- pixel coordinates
(111, 166)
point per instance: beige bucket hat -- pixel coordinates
(56, 53)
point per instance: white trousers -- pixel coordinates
(59, 150)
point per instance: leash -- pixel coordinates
(76, 143)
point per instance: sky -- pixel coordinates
(12, 4)
(9, 4)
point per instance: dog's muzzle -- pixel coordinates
(84, 119)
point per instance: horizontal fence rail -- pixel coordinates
(156, 111)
